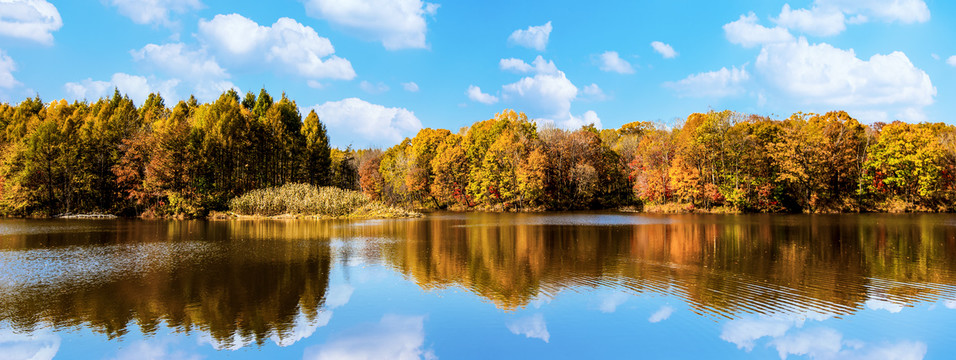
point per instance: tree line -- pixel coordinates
(110, 156)
(713, 161)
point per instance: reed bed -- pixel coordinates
(309, 200)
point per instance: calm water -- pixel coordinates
(452, 286)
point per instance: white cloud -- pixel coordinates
(515, 65)
(535, 37)
(176, 59)
(612, 62)
(661, 314)
(829, 17)
(593, 92)
(950, 304)
(373, 88)
(574, 122)
(33, 20)
(38, 345)
(394, 337)
(357, 122)
(715, 84)
(819, 21)
(904, 11)
(951, 60)
(286, 44)
(474, 93)
(154, 11)
(7, 67)
(533, 327)
(398, 24)
(664, 49)
(547, 93)
(935, 56)
(137, 88)
(824, 75)
(747, 33)
(410, 86)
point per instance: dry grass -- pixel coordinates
(293, 200)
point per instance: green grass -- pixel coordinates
(309, 200)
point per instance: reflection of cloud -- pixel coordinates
(950, 304)
(662, 314)
(532, 327)
(815, 343)
(609, 303)
(36, 346)
(235, 342)
(394, 337)
(302, 329)
(819, 343)
(876, 304)
(744, 332)
(338, 295)
(149, 350)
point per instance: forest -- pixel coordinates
(110, 156)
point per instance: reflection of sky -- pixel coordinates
(379, 313)
(39, 345)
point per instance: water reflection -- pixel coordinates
(770, 280)
(722, 266)
(243, 292)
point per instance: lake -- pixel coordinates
(482, 285)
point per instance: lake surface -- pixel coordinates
(453, 286)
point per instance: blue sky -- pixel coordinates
(378, 70)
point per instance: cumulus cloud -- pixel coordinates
(373, 88)
(593, 92)
(33, 20)
(903, 11)
(286, 44)
(951, 61)
(154, 11)
(7, 67)
(664, 49)
(829, 17)
(136, 87)
(713, 84)
(398, 24)
(610, 61)
(357, 122)
(474, 93)
(394, 337)
(745, 332)
(410, 86)
(535, 37)
(823, 74)
(151, 350)
(819, 21)
(178, 60)
(576, 122)
(533, 327)
(748, 33)
(515, 65)
(548, 92)
(661, 314)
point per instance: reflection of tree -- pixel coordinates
(251, 289)
(724, 266)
